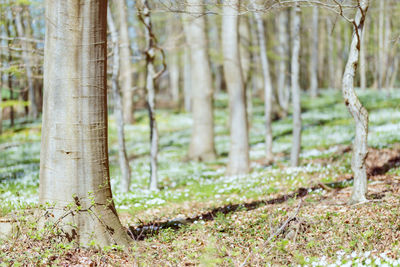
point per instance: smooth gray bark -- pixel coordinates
(314, 53)
(202, 139)
(74, 166)
(173, 58)
(267, 84)
(356, 109)
(363, 75)
(283, 53)
(122, 154)
(295, 69)
(125, 76)
(239, 147)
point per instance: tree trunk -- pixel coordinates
(356, 109)
(173, 30)
(380, 44)
(202, 139)
(283, 53)
(33, 109)
(296, 143)
(187, 77)
(363, 77)
(144, 16)
(122, 154)
(74, 167)
(125, 63)
(9, 78)
(239, 147)
(314, 54)
(331, 67)
(267, 84)
(244, 44)
(339, 56)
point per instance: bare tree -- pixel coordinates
(202, 139)
(122, 154)
(125, 62)
(283, 53)
(144, 14)
(356, 109)
(314, 53)
(267, 83)
(296, 143)
(74, 166)
(239, 147)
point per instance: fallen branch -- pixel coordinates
(279, 231)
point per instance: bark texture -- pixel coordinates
(296, 141)
(74, 166)
(125, 63)
(356, 109)
(202, 139)
(122, 154)
(239, 148)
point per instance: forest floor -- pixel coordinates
(276, 215)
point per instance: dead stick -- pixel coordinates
(280, 229)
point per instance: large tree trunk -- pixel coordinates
(33, 109)
(74, 167)
(356, 109)
(122, 154)
(283, 53)
(239, 146)
(125, 63)
(202, 139)
(314, 54)
(267, 84)
(296, 143)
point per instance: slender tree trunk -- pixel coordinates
(314, 54)
(267, 84)
(151, 75)
(322, 50)
(356, 109)
(244, 44)
(9, 78)
(331, 66)
(122, 154)
(125, 63)
(33, 109)
(74, 167)
(187, 77)
(283, 53)
(380, 44)
(363, 77)
(202, 139)
(339, 56)
(239, 146)
(296, 143)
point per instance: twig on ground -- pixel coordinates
(277, 232)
